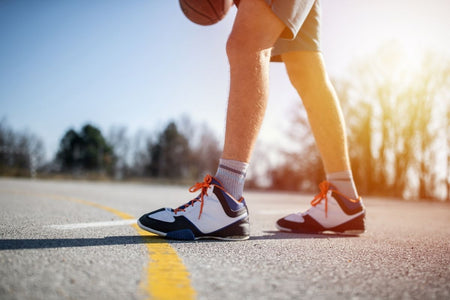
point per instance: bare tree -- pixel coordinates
(301, 169)
(140, 154)
(396, 119)
(447, 173)
(205, 148)
(21, 153)
(119, 140)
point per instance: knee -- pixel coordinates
(241, 47)
(307, 73)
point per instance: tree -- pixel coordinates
(396, 122)
(205, 148)
(447, 173)
(175, 156)
(119, 141)
(168, 156)
(85, 151)
(140, 153)
(301, 169)
(69, 153)
(21, 153)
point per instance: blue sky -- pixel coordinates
(141, 63)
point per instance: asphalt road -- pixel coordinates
(73, 240)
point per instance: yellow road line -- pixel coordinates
(166, 275)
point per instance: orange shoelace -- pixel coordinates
(325, 186)
(203, 186)
(199, 185)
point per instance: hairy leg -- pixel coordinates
(307, 73)
(255, 30)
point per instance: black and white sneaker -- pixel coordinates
(330, 212)
(213, 214)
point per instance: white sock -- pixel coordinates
(231, 173)
(343, 181)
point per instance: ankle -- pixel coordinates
(231, 174)
(343, 181)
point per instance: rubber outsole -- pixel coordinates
(326, 231)
(354, 226)
(150, 229)
(188, 235)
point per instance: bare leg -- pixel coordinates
(307, 73)
(255, 30)
(341, 211)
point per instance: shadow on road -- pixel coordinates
(21, 244)
(18, 244)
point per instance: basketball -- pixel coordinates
(205, 12)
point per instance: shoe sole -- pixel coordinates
(347, 232)
(340, 229)
(187, 234)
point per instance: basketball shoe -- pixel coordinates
(213, 214)
(330, 212)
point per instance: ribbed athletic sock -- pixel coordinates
(231, 173)
(343, 181)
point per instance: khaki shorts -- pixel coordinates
(302, 19)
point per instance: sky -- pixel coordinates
(139, 63)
